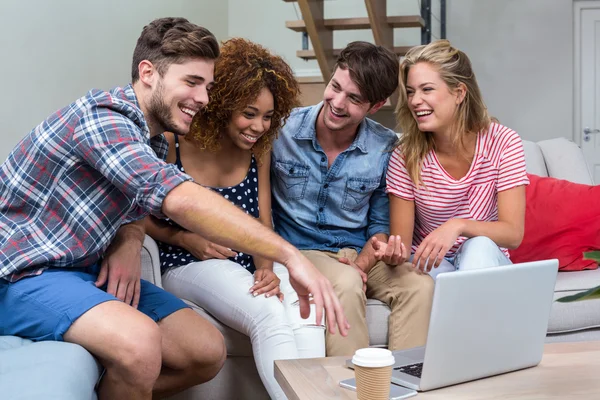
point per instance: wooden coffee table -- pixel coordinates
(567, 371)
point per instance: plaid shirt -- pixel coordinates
(71, 183)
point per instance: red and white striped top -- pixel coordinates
(498, 164)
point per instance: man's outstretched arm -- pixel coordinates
(210, 215)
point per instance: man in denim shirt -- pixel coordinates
(328, 172)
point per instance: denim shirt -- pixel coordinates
(321, 208)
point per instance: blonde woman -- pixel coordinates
(457, 180)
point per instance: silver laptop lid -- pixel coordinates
(488, 321)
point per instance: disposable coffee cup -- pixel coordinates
(310, 341)
(373, 371)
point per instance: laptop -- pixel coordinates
(483, 322)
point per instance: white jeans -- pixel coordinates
(474, 253)
(221, 287)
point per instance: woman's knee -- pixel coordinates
(268, 313)
(479, 252)
(480, 243)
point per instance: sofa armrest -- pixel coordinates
(151, 262)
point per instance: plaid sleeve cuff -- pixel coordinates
(152, 197)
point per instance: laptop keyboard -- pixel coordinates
(412, 369)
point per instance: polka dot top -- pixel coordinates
(243, 195)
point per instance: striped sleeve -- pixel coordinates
(398, 181)
(512, 171)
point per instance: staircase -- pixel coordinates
(320, 31)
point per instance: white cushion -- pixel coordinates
(534, 159)
(565, 160)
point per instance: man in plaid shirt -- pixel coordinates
(73, 194)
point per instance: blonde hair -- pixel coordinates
(471, 114)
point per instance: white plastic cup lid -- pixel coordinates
(373, 358)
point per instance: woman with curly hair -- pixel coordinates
(228, 150)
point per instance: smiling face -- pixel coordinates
(179, 94)
(431, 102)
(247, 126)
(344, 107)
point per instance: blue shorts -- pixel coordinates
(44, 307)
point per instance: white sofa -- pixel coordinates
(563, 159)
(558, 158)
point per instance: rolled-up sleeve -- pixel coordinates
(379, 210)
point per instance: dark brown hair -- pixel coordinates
(242, 70)
(167, 41)
(373, 68)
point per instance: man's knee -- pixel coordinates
(424, 286)
(347, 283)
(137, 354)
(412, 285)
(206, 360)
(421, 284)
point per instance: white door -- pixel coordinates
(589, 88)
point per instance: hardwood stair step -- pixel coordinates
(343, 24)
(321, 37)
(310, 54)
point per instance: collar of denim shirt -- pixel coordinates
(307, 131)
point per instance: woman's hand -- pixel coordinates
(434, 247)
(204, 249)
(392, 253)
(267, 282)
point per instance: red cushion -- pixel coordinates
(562, 221)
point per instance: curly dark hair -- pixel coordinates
(241, 71)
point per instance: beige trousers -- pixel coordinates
(407, 292)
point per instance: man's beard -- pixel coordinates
(160, 113)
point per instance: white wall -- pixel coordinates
(55, 51)
(522, 53)
(522, 50)
(263, 21)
